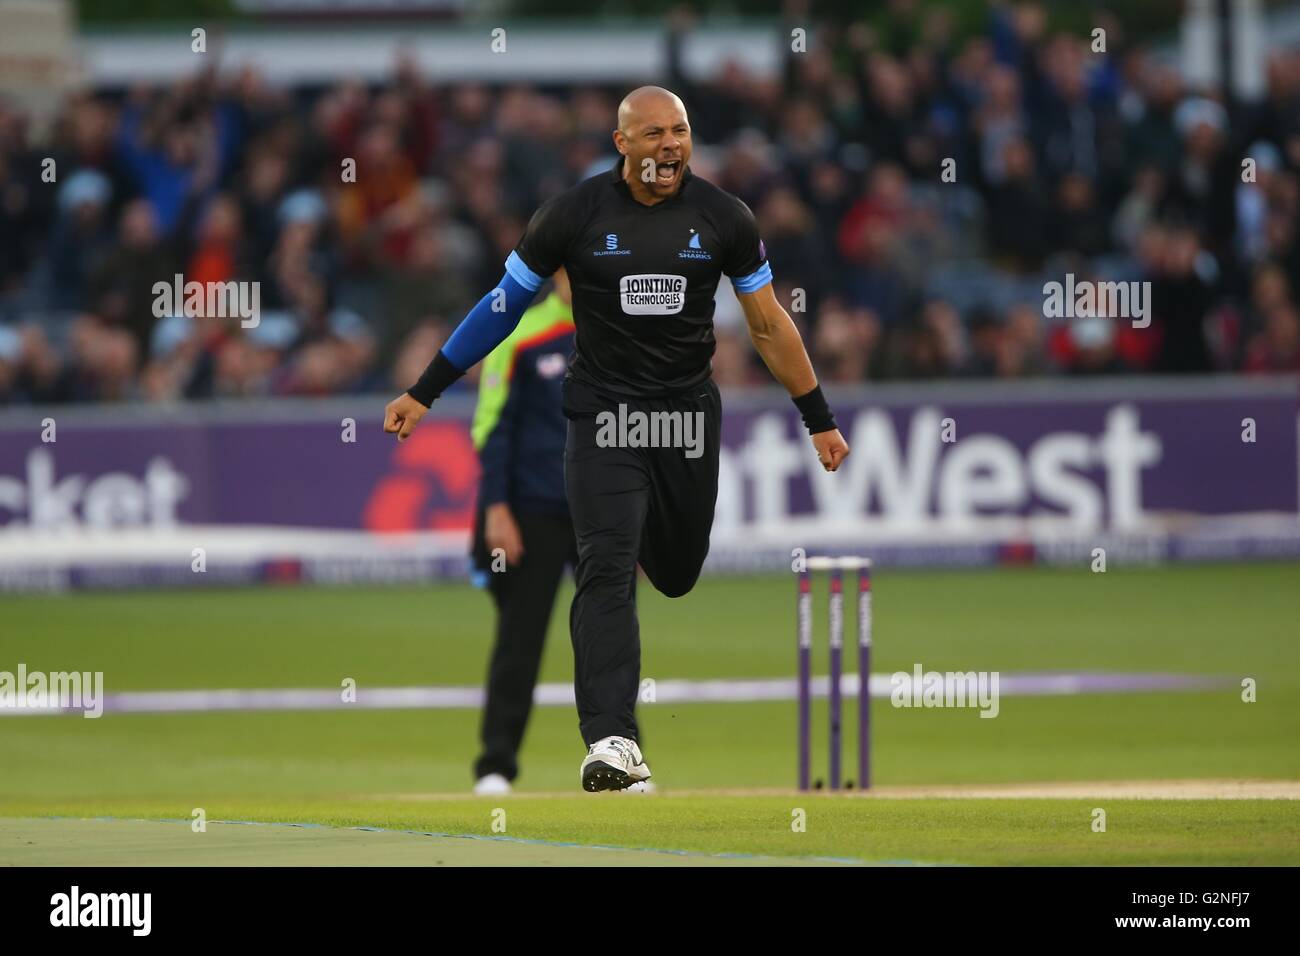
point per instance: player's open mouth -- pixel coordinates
(666, 173)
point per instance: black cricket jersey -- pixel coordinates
(643, 277)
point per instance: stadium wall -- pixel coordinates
(564, 52)
(951, 474)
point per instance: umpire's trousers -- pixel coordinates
(629, 505)
(524, 595)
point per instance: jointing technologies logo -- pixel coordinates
(650, 294)
(25, 690)
(922, 688)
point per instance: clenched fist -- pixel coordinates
(831, 448)
(401, 415)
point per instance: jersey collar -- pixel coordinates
(620, 185)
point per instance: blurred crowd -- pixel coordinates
(915, 191)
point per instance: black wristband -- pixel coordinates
(437, 378)
(817, 415)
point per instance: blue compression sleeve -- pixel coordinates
(485, 327)
(488, 325)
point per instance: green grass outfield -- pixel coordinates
(389, 769)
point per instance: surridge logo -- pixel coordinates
(74, 908)
(611, 247)
(652, 294)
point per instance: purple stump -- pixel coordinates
(864, 677)
(836, 626)
(803, 632)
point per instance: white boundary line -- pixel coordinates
(561, 694)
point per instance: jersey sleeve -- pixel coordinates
(545, 243)
(493, 430)
(745, 258)
(493, 389)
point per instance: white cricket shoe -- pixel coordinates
(492, 785)
(613, 763)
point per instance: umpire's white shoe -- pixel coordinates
(492, 785)
(613, 763)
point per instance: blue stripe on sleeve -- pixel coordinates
(755, 280)
(485, 328)
(526, 277)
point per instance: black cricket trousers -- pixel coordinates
(631, 504)
(524, 595)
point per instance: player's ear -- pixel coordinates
(620, 142)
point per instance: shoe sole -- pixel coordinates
(599, 777)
